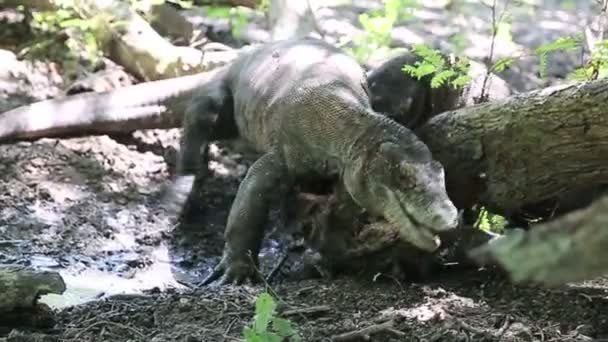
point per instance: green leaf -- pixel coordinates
(271, 337)
(461, 81)
(76, 22)
(264, 310)
(560, 44)
(409, 69)
(282, 327)
(584, 73)
(425, 69)
(501, 64)
(429, 55)
(250, 335)
(440, 78)
(217, 11)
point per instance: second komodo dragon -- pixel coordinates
(304, 105)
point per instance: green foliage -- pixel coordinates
(83, 37)
(434, 63)
(264, 318)
(491, 222)
(264, 6)
(238, 16)
(597, 67)
(560, 44)
(502, 64)
(378, 26)
(238, 20)
(217, 11)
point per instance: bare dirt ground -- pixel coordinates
(88, 208)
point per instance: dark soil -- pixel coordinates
(88, 208)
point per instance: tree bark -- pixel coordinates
(523, 149)
(572, 248)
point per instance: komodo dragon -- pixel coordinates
(305, 106)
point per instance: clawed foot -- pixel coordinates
(234, 270)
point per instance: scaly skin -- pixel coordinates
(304, 104)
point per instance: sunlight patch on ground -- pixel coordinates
(92, 284)
(437, 306)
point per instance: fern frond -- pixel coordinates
(560, 44)
(440, 78)
(501, 64)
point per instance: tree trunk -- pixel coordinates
(524, 149)
(572, 248)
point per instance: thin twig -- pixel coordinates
(98, 323)
(366, 332)
(309, 310)
(489, 68)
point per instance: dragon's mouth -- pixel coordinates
(418, 235)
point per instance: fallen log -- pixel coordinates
(98, 114)
(525, 148)
(504, 154)
(128, 39)
(569, 249)
(150, 105)
(20, 287)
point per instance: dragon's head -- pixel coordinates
(401, 182)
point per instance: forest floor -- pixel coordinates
(89, 208)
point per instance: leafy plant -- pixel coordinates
(560, 44)
(596, 67)
(83, 38)
(490, 222)
(378, 26)
(238, 20)
(434, 63)
(238, 16)
(280, 329)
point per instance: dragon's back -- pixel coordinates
(279, 81)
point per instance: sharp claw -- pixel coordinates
(225, 274)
